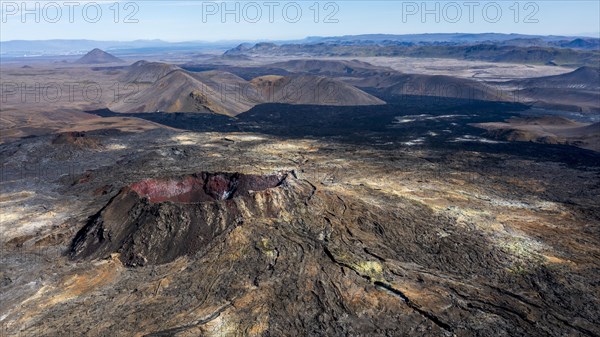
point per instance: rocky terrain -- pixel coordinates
(332, 197)
(171, 233)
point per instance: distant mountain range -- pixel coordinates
(31, 48)
(484, 51)
(459, 38)
(21, 48)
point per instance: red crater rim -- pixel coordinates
(204, 187)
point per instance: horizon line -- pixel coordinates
(586, 35)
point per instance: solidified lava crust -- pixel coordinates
(155, 221)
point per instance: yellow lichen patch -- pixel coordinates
(267, 248)
(372, 269)
(522, 248)
(265, 244)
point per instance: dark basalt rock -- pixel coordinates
(155, 221)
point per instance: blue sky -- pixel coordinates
(203, 20)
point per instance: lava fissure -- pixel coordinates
(395, 291)
(414, 306)
(209, 318)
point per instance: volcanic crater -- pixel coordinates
(155, 221)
